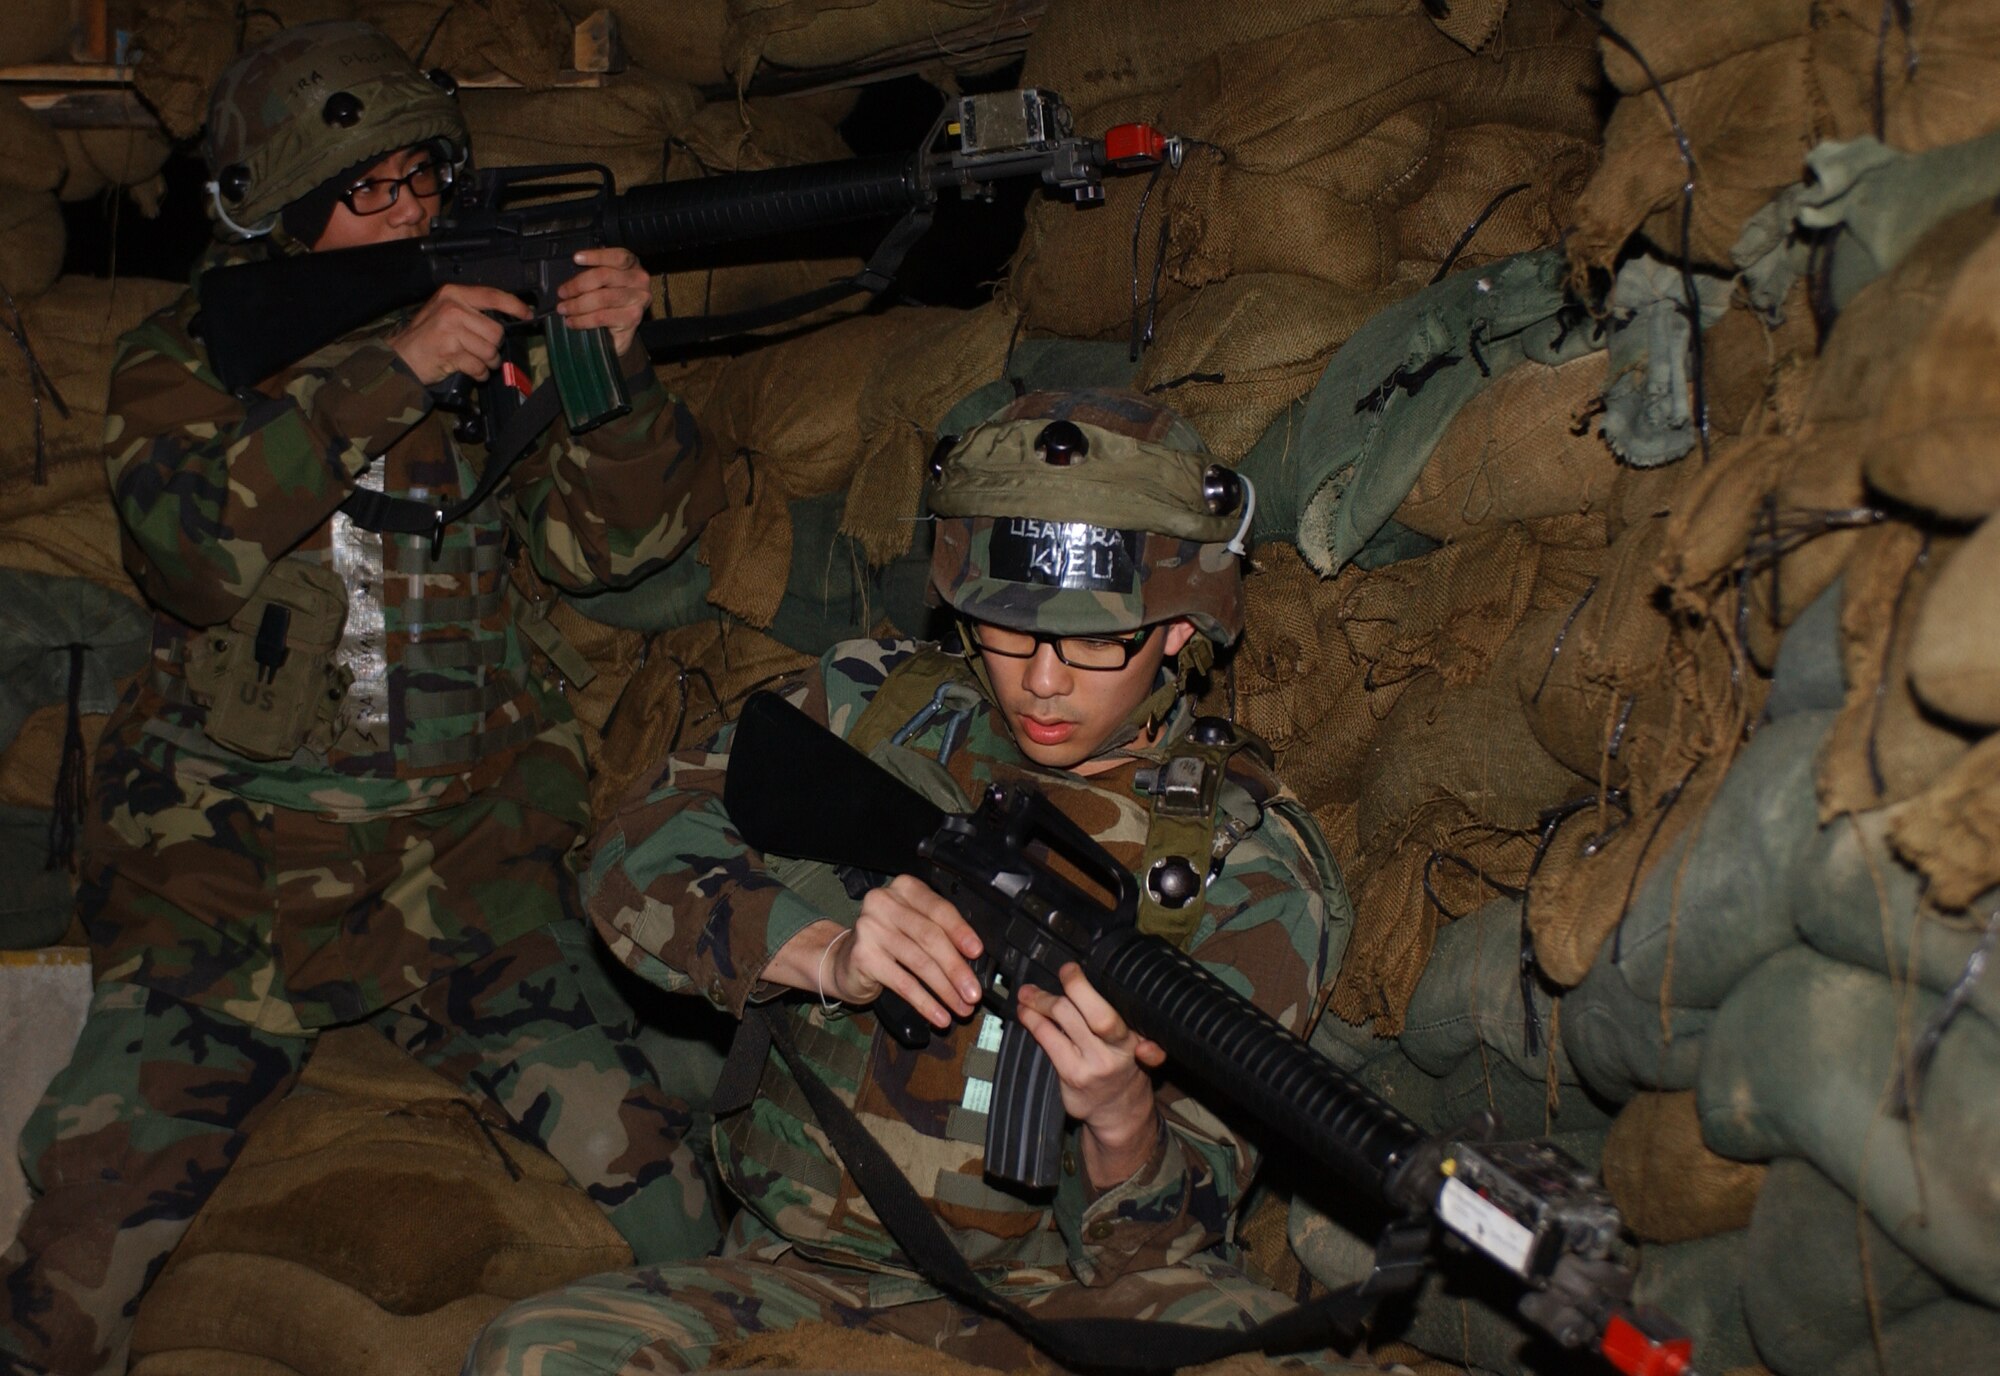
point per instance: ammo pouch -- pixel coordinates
(269, 678)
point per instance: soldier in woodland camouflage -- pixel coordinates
(343, 791)
(1089, 550)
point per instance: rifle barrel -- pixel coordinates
(750, 205)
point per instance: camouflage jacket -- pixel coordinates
(212, 491)
(684, 903)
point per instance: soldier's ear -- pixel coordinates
(1179, 631)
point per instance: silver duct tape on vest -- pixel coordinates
(358, 559)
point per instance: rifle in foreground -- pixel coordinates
(1525, 1205)
(518, 229)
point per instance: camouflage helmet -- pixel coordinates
(1088, 513)
(308, 103)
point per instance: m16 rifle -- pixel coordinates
(519, 228)
(1525, 1205)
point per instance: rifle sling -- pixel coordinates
(875, 278)
(1108, 1344)
(372, 510)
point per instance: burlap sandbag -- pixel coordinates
(810, 34)
(1237, 353)
(1951, 832)
(1934, 444)
(527, 41)
(187, 44)
(73, 330)
(1675, 43)
(1884, 747)
(626, 125)
(1284, 674)
(1525, 447)
(97, 159)
(32, 239)
(370, 1227)
(694, 681)
(1522, 181)
(31, 155)
(65, 527)
(1666, 1182)
(908, 393)
(1757, 91)
(1955, 651)
(788, 414)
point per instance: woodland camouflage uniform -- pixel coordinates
(414, 873)
(686, 904)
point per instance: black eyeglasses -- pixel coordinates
(373, 195)
(1095, 652)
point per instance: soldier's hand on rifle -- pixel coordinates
(1102, 1064)
(612, 291)
(452, 333)
(912, 941)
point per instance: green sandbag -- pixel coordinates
(1800, 1062)
(35, 910)
(1649, 402)
(1720, 899)
(1860, 905)
(41, 617)
(831, 594)
(1471, 993)
(1808, 675)
(1947, 1338)
(1040, 365)
(1806, 1285)
(1617, 1040)
(1700, 1285)
(1345, 458)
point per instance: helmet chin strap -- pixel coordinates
(214, 190)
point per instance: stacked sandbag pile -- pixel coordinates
(32, 166)
(811, 35)
(1763, 927)
(1336, 156)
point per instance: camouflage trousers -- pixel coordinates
(138, 1131)
(657, 1319)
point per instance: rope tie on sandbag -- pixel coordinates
(1562, 634)
(1899, 15)
(1909, 1085)
(38, 382)
(1465, 237)
(1549, 823)
(1691, 304)
(66, 818)
(1142, 336)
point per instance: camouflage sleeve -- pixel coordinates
(612, 505)
(1264, 934)
(210, 488)
(680, 898)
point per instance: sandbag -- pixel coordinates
(97, 159)
(64, 640)
(1955, 649)
(1523, 448)
(527, 41)
(1951, 831)
(1801, 1061)
(32, 239)
(1044, 365)
(1854, 903)
(32, 761)
(73, 330)
(1807, 676)
(1517, 185)
(384, 1215)
(1944, 1338)
(1666, 1182)
(1622, 1044)
(1236, 354)
(627, 125)
(692, 684)
(1933, 443)
(66, 528)
(188, 43)
(31, 155)
(1722, 897)
(811, 34)
(1819, 1273)
(912, 388)
(1884, 747)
